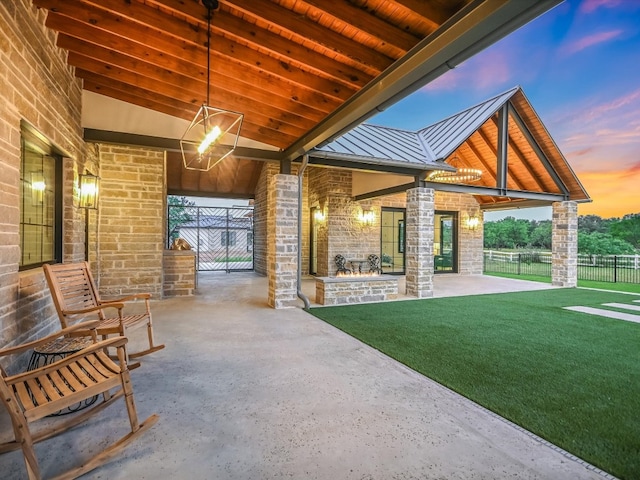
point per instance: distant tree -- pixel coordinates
(540, 236)
(506, 233)
(178, 215)
(627, 229)
(593, 223)
(597, 243)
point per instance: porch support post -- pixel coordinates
(419, 241)
(564, 244)
(282, 240)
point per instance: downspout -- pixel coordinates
(302, 296)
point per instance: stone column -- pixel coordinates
(419, 241)
(282, 240)
(564, 245)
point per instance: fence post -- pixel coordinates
(615, 269)
(519, 264)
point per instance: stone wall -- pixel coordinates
(349, 291)
(36, 87)
(282, 247)
(130, 240)
(179, 273)
(564, 244)
(420, 235)
(260, 209)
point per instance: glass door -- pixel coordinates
(392, 240)
(445, 242)
(313, 241)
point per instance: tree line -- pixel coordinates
(596, 235)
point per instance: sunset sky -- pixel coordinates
(579, 66)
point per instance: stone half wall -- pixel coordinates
(348, 290)
(131, 221)
(38, 88)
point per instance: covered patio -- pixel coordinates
(264, 393)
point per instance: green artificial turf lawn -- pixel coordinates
(569, 377)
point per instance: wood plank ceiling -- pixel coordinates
(285, 64)
(291, 66)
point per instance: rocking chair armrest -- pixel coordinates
(114, 342)
(82, 326)
(119, 306)
(135, 296)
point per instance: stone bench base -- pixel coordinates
(353, 290)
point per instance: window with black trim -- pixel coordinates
(40, 201)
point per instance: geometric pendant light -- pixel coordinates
(202, 143)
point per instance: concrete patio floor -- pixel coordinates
(247, 392)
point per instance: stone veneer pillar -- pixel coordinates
(282, 240)
(564, 244)
(419, 241)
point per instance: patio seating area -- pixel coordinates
(264, 393)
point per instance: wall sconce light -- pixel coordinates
(367, 217)
(89, 191)
(473, 222)
(319, 215)
(38, 187)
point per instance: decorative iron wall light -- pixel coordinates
(319, 215)
(473, 222)
(38, 187)
(89, 191)
(201, 144)
(366, 216)
(461, 175)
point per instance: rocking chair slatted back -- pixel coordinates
(76, 298)
(73, 290)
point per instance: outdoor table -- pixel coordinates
(357, 262)
(54, 351)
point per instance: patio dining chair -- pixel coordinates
(33, 395)
(341, 263)
(374, 263)
(76, 298)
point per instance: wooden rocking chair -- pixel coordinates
(76, 298)
(32, 395)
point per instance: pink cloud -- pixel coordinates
(589, 6)
(484, 72)
(590, 41)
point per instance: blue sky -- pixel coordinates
(579, 66)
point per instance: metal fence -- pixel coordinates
(600, 268)
(221, 237)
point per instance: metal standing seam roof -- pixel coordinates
(426, 147)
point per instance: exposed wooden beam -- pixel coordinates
(178, 39)
(536, 148)
(263, 39)
(309, 31)
(367, 22)
(280, 106)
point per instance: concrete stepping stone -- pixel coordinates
(606, 313)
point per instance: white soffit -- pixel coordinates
(104, 113)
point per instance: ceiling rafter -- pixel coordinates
(278, 106)
(263, 39)
(307, 30)
(128, 18)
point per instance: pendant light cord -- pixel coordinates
(210, 5)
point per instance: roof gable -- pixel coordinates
(533, 161)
